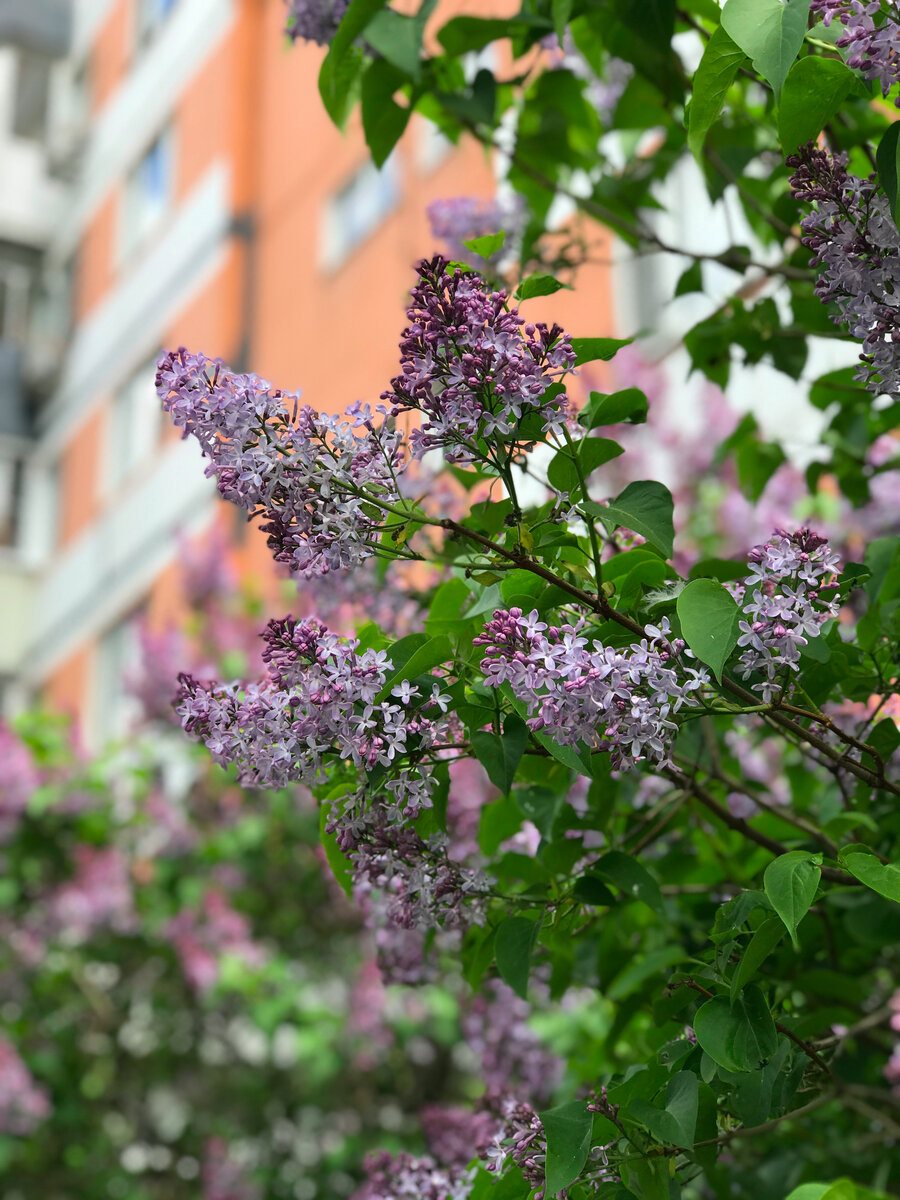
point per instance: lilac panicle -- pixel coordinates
(305, 473)
(786, 599)
(472, 367)
(23, 1104)
(457, 219)
(856, 247)
(617, 700)
(20, 777)
(315, 20)
(871, 37)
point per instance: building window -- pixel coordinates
(135, 425)
(148, 193)
(32, 95)
(11, 470)
(15, 288)
(357, 210)
(150, 16)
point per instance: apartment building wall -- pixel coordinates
(216, 207)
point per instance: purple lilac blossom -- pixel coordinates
(201, 937)
(523, 1141)
(20, 778)
(23, 1104)
(872, 47)
(471, 369)
(320, 698)
(616, 700)
(514, 1062)
(455, 1135)
(604, 91)
(315, 20)
(223, 1177)
(458, 219)
(99, 895)
(784, 606)
(761, 761)
(856, 245)
(405, 1177)
(303, 472)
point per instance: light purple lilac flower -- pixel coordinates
(223, 1177)
(315, 20)
(305, 473)
(473, 368)
(457, 219)
(202, 936)
(604, 91)
(23, 1103)
(99, 895)
(872, 45)
(514, 1061)
(786, 600)
(617, 700)
(405, 1177)
(318, 703)
(20, 778)
(856, 246)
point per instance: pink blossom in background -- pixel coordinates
(455, 1135)
(205, 571)
(513, 1059)
(154, 681)
(19, 779)
(98, 895)
(202, 937)
(23, 1103)
(458, 219)
(365, 1020)
(223, 1177)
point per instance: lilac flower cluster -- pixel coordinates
(405, 1177)
(617, 700)
(305, 473)
(603, 91)
(223, 1177)
(23, 1104)
(319, 700)
(471, 369)
(458, 219)
(406, 887)
(786, 600)
(19, 779)
(856, 245)
(873, 47)
(202, 936)
(315, 20)
(99, 895)
(513, 1059)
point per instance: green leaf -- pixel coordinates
(500, 754)
(383, 119)
(487, 244)
(628, 405)
(592, 453)
(646, 507)
(344, 61)
(709, 620)
(463, 34)
(691, 280)
(791, 882)
(739, 1036)
(538, 285)
(513, 945)
(341, 867)
(887, 159)
(814, 90)
(589, 890)
(681, 1102)
(398, 39)
(414, 655)
(630, 877)
(541, 806)
(591, 349)
(568, 1128)
(561, 11)
(883, 878)
(760, 946)
(840, 1189)
(769, 32)
(714, 76)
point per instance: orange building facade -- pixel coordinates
(216, 207)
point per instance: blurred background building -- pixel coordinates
(168, 176)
